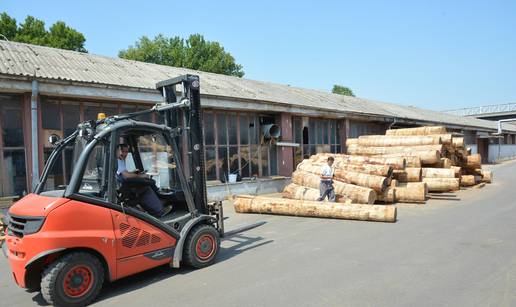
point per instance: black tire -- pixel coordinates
(74, 279)
(201, 246)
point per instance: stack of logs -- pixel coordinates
(433, 156)
(403, 165)
(357, 181)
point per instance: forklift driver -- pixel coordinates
(150, 201)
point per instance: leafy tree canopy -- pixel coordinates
(32, 31)
(342, 90)
(194, 52)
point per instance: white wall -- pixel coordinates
(473, 147)
(504, 152)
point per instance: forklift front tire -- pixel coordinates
(202, 246)
(72, 280)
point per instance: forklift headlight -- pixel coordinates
(33, 225)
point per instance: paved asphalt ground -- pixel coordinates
(459, 250)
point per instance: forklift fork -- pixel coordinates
(216, 209)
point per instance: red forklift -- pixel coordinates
(67, 240)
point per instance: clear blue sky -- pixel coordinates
(432, 54)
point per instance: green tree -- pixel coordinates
(194, 52)
(8, 27)
(342, 90)
(63, 37)
(32, 31)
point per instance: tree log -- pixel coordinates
(371, 169)
(389, 141)
(438, 173)
(458, 142)
(487, 176)
(370, 151)
(282, 206)
(377, 183)
(446, 163)
(395, 162)
(428, 130)
(457, 170)
(474, 161)
(467, 180)
(410, 174)
(411, 161)
(412, 192)
(442, 184)
(387, 196)
(294, 191)
(351, 141)
(425, 157)
(357, 194)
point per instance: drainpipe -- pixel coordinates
(34, 134)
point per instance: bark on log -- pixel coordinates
(394, 183)
(389, 141)
(457, 171)
(351, 141)
(395, 162)
(371, 151)
(445, 138)
(410, 174)
(426, 157)
(371, 169)
(474, 161)
(411, 161)
(467, 180)
(377, 183)
(282, 206)
(412, 192)
(294, 191)
(428, 130)
(438, 173)
(487, 176)
(442, 184)
(446, 163)
(357, 194)
(387, 196)
(458, 142)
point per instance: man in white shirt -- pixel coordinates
(150, 201)
(326, 185)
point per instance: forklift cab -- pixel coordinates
(66, 239)
(176, 173)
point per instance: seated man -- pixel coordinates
(150, 201)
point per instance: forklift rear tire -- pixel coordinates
(202, 246)
(72, 280)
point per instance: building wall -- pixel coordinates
(358, 128)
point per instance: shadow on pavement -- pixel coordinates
(443, 196)
(239, 244)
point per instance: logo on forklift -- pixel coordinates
(160, 254)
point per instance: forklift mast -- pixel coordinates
(188, 121)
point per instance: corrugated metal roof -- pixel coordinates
(49, 63)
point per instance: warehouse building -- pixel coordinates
(45, 90)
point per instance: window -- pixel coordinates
(232, 144)
(157, 159)
(13, 177)
(315, 136)
(94, 182)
